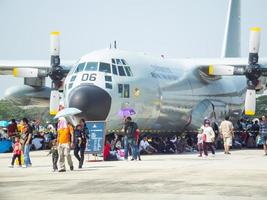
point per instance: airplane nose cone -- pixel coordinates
(93, 101)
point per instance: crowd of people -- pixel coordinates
(63, 139)
(65, 136)
(210, 136)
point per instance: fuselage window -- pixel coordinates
(126, 92)
(73, 78)
(80, 68)
(120, 88)
(104, 67)
(108, 78)
(121, 71)
(114, 69)
(109, 85)
(128, 71)
(70, 85)
(91, 66)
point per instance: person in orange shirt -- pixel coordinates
(65, 141)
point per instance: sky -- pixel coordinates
(175, 28)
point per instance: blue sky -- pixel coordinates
(175, 28)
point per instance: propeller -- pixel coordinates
(56, 73)
(253, 71)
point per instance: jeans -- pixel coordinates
(80, 157)
(54, 160)
(27, 159)
(126, 147)
(133, 147)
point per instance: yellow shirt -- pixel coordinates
(64, 135)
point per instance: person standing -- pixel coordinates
(17, 148)
(12, 129)
(130, 129)
(80, 139)
(209, 137)
(64, 140)
(54, 152)
(263, 133)
(227, 133)
(200, 142)
(27, 140)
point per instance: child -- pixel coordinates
(16, 152)
(54, 153)
(200, 137)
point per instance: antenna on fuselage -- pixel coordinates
(115, 44)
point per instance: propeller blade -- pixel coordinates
(221, 70)
(54, 102)
(54, 49)
(25, 72)
(254, 45)
(250, 102)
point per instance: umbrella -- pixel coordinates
(67, 112)
(125, 112)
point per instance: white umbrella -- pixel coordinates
(67, 112)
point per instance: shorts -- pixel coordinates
(228, 141)
(265, 139)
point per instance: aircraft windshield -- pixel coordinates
(91, 66)
(104, 67)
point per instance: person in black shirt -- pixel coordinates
(130, 129)
(80, 139)
(27, 138)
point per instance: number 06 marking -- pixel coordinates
(90, 77)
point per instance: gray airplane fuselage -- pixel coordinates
(167, 95)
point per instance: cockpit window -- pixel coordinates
(123, 61)
(120, 67)
(118, 62)
(80, 68)
(104, 67)
(114, 69)
(91, 66)
(121, 71)
(128, 71)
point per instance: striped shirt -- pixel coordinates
(263, 128)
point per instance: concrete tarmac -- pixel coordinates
(241, 175)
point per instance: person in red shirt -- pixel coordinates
(12, 128)
(16, 152)
(106, 151)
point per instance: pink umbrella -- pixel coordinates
(125, 112)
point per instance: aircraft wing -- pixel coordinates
(224, 66)
(7, 66)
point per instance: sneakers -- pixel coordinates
(71, 168)
(62, 170)
(11, 166)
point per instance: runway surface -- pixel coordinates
(241, 175)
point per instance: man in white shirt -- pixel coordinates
(208, 138)
(227, 133)
(145, 146)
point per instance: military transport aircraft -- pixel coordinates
(167, 95)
